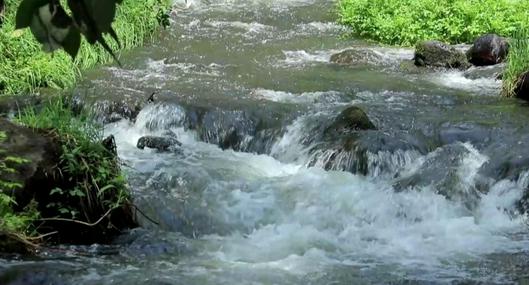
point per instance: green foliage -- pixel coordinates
(95, 184)
(20, 222)
(7, 164)
(9, 220)
(25, 67)
(405, 22)
(517, 62)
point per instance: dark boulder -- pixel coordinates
(522, 87)
(488, 49)
(355, 57)
(159, 143)
(350, 120)
(438, 54)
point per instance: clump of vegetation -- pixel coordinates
(405, 22)
(91, 203)
(517, 62)
(78, 195)
(25, 67)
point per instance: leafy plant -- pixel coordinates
(10, 221)
(405, 22)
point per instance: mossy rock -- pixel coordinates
(438, 54)
(350, 120)
(355, 57)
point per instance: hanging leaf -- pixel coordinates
(84, 12)
(54, 29)
(103, 13)
(72, 42)
(25, 12)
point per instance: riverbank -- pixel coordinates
(60, 180)
(25, 68)
(407, 23)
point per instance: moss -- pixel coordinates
(25, 68)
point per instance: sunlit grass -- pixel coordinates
(517, 62)
(25, 68)
(405, 22)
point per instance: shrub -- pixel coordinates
(25, 67)
(405, 22)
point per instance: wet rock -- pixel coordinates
(438, 54)
(355, 57)
(492, 72)
(488, 49)
(159, 143)
(109, 111)
(350, 120)
(442, 169)
(522, 88)
(476, 134)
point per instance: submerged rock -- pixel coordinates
(355, 57)
(438, 54)
(489, 72)
(488, 49)
(159, 143)
(350, 120)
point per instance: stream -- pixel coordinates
(259, 193)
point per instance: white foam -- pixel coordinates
(300, 57)
(288, 97)
(457, 80)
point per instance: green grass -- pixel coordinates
(405, 22)
(517, 62)
(25, 68)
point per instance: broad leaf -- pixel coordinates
(72, 42)
(25, 12)
(103, 13)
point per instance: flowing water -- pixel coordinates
(260, 194)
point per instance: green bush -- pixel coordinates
(26, 68)
(405, 22)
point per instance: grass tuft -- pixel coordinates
(517, 62)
